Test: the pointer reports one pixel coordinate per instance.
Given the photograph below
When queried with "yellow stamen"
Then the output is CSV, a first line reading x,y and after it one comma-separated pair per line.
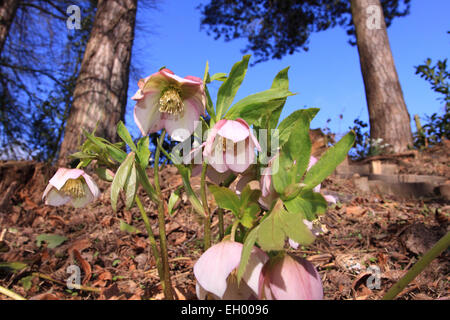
x,y
171,102
74,188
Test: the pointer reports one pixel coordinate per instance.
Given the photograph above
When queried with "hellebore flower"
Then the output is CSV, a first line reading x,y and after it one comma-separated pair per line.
x,y
165,100
215,272
70,185
289,278
231,146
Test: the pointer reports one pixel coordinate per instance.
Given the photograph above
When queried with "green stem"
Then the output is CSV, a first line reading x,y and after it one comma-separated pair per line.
x,y
418,267
165,280
207,220
196,204
233,230
11,294
151,237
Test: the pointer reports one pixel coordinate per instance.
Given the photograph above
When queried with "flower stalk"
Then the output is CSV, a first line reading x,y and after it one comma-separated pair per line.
x,y
418,267
207,221
165,280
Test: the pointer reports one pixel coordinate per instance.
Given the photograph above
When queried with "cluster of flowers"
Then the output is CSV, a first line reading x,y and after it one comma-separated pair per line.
x,y
167,101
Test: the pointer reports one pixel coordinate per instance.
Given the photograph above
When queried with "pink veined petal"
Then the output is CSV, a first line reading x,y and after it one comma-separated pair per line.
x,y
212,134
196,102
201,292
147,115
252,136
251,276
216,158
181,128
62,175
56,198
294,279
215,265
92,186
234,131
193,88
243,158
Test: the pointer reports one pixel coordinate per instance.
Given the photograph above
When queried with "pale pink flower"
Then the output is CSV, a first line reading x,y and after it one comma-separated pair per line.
x,y
72,186
216,272
165,100
289,278
231,146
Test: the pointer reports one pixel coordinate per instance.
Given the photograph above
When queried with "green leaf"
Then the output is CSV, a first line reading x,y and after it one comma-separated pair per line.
x,y
280,224
294,156
219,76
105,174
225,198
248,215
131,187
26,282
123,133
143,151
229,88
309,203
289,123
174,197
281,81
145,182
329,161
13,266
246,251
121,178
128,228
256,107
53,240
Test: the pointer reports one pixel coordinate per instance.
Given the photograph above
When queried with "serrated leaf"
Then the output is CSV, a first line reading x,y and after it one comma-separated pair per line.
x,y
125,227
279,225
123,133
219,76
121,178
248,215
294,156
53,240
329,161
229,88
225,198
246,251
285,127
256,107
308,203
143,151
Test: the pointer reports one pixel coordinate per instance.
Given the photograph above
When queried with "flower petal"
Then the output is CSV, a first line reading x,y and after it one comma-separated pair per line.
x,y
294,279
147,115
56,198
92,186
62,175
234,130
81,202
216,264
181,128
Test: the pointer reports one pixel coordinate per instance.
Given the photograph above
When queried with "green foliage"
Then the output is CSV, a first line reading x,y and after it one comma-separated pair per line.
x,y
53,240
436,126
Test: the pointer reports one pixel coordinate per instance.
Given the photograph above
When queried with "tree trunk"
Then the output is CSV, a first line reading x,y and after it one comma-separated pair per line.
x,y
8,10
100,93
389,118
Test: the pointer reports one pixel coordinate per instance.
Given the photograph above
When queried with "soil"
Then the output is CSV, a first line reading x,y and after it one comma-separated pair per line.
x,y
365,235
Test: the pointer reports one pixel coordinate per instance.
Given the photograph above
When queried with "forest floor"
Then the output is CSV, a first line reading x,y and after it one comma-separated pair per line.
x,y
364,230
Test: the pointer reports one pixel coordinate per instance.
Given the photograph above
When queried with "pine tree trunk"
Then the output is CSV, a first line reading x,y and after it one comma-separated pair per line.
x,y
8,10
389,118
100,94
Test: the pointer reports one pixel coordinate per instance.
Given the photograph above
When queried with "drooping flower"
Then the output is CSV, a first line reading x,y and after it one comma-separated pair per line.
x,y
72,186
165,100
285,277
231,146
216,271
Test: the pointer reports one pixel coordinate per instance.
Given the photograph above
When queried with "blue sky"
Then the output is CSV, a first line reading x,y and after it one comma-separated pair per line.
x,y
328,76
